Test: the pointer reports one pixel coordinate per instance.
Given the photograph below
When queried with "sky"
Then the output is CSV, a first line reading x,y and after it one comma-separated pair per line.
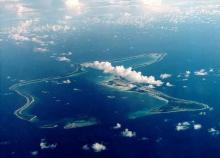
x,y
36,22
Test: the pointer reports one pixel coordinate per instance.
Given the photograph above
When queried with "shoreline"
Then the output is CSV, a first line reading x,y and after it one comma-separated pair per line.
x,y
165,98
172,103
29,99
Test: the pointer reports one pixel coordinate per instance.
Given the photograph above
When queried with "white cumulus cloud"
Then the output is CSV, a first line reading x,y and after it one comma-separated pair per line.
x,y
128,133
201,72
117,126
182,126
213,131
187,73
45,145
126,73
19,33
168,84
62,58
98,147
67,81
165,75
197,126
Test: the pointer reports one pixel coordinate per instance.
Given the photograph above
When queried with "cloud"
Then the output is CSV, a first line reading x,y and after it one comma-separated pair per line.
x,y
197,126
67,81
186,125
19,37
23,27
64,59
67,53
213,131
202,113
147,13
38,41
126,73
165,76
76,89
201,72
128,133
182,126
18,33
150,86
85,147
156,6
20,9
98,147
41,50
152,2
16,7
74,5
211,70
117,126
68,17
111,97
187,73
168,84
53,28
34,153
44,145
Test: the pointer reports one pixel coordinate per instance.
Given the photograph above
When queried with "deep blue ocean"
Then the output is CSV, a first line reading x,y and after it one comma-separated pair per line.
x,y
193,47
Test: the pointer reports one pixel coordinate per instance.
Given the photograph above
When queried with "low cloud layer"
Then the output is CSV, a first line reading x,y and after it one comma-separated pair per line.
x,y
126,73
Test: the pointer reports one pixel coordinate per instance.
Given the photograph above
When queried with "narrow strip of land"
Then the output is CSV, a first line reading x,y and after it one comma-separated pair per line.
x,y
29,99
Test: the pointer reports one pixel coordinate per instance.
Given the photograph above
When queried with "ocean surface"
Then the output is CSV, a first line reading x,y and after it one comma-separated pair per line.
x,y
190,45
